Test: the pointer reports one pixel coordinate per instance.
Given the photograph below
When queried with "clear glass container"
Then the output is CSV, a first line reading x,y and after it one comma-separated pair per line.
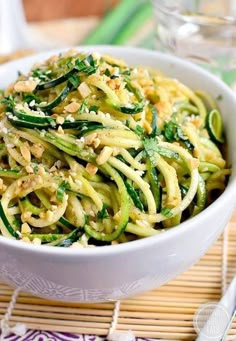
x,y
203,31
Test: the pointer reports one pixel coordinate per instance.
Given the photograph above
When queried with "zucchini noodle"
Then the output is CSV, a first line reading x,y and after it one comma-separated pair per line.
x,y
94,152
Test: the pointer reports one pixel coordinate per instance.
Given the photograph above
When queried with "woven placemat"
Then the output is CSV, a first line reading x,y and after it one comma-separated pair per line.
x,y
165,313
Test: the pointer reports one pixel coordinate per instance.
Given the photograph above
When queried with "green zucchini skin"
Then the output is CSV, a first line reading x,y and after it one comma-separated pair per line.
x,y
201,197
125,206
56,239
54,82
24,120
80,67
49,106
10,173
134,196
214,125
154,184
7,224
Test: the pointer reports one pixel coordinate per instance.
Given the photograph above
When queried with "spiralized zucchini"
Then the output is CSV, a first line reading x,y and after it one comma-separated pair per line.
x,y
94,152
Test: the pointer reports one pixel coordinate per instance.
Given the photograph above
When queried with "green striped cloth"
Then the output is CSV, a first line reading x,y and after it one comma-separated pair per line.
x,y
130,22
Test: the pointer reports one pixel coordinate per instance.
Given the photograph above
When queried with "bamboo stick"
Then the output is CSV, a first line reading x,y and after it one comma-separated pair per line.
x,y
81,319
165,313
158,309
157,315
196,284
172,294
35,325
177,299
48,322
159,303
170,329
154,322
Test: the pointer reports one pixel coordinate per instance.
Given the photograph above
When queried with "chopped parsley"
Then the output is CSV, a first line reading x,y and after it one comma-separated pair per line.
x,y
9,102
107,73
173,132
166,212
69,63
87,65
152,147
29,97
40,74
83,106
139,130
103,214
61,190
74,80
93,108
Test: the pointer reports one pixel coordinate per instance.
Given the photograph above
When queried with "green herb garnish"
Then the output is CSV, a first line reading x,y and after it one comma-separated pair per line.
x,y
166,212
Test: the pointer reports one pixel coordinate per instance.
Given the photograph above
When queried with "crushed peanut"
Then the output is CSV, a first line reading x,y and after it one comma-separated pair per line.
x,y
84,90
49,215
76,245
37,150
116,216
91,169
29,169
37,241
26,240
60,120
25,216
25,152
25,228
104,155
25,86
92,139
72,107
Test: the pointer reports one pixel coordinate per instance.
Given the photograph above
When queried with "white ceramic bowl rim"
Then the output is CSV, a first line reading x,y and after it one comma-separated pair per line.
x,y
148,241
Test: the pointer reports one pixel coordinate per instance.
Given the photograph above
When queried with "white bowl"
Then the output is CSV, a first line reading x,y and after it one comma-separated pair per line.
x,y
114,272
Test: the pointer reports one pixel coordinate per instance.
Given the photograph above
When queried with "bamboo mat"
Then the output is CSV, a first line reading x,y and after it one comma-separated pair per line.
x,y
165,313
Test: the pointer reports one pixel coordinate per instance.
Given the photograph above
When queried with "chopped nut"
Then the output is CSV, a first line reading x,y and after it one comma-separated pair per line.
x,y
25,228
41,171
49,215
37,241
116,151
26,240
104,155
29,169
60,130
60,120
91,169
37,150
25,152
72,107
114,84
194,163
116,217
77,245
84,90
90,138
25,86
25,216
